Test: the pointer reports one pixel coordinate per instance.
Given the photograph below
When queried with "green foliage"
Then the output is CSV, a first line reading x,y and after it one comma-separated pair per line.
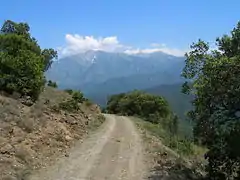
x,y
215,86
70,105
152,108
78,96
52,84
180,144
140,104
48,55
22,62
179,102
69,91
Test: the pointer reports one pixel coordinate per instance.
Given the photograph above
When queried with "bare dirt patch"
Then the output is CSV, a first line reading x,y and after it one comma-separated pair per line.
x,y
34,137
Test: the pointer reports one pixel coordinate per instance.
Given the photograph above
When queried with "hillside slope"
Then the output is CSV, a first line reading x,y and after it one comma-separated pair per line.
x,y
124,84
180,103
33,137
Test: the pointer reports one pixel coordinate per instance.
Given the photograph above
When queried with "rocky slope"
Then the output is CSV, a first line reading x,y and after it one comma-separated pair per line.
x,y
33,137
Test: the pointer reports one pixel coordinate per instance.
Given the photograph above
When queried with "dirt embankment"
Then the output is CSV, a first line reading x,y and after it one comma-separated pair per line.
x,y
34,137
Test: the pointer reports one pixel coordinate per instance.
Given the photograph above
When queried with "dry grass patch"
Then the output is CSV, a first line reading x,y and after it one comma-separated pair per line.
x,y
166,163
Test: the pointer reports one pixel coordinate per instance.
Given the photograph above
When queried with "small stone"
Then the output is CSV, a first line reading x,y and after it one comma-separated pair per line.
x,y
68,138
9,177
8,148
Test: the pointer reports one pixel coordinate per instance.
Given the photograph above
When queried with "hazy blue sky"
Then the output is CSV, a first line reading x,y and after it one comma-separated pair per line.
x,y
135,23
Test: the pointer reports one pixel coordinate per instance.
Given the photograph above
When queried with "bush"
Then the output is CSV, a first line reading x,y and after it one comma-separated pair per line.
x,y
70,105
69,91
78,96
185,146
52,84
138,103
182,145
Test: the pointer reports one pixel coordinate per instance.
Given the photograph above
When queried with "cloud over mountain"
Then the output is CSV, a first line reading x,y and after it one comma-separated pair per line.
x,y
77,44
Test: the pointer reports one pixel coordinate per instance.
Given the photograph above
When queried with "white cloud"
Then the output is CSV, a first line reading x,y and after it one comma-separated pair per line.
x,y
76,44
175,52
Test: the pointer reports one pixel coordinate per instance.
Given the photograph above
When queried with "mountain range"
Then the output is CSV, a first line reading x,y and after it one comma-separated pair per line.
x,y
99,74
92,68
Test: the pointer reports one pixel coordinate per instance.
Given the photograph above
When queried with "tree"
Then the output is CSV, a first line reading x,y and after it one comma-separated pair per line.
x,y
49,55
215,83
22,62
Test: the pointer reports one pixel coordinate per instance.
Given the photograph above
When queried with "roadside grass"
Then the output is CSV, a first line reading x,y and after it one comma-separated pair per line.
x,y
170,157
181,145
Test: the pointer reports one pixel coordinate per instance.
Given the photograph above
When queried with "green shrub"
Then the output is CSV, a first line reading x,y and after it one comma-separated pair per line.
x,y
185,146
69,91
70,105
52,84
138,103
78,96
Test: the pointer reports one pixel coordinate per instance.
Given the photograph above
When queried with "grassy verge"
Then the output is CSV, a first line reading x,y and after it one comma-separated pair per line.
x,y
170,157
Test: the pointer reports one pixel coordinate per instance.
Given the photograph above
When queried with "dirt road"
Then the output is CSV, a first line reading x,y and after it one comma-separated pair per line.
x,y
113,152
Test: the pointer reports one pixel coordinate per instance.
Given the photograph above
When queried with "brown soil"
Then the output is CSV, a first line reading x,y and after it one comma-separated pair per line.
x,y
34,137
